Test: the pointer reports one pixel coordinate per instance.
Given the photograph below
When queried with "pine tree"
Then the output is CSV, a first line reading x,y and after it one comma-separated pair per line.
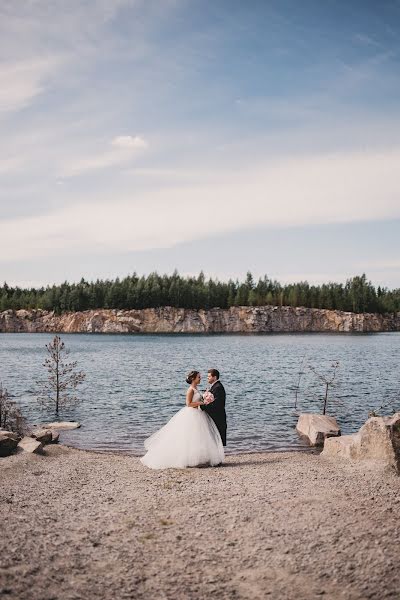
x,y
59,389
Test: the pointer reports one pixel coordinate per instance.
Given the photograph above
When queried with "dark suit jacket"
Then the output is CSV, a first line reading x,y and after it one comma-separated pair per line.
x,y
216,410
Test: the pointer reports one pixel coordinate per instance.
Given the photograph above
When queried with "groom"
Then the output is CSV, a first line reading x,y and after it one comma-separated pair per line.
x,y
216,410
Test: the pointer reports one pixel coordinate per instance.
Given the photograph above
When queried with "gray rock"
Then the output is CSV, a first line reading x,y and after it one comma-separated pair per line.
x,y
316,428
42,435
342,447
62,425
54,437
29,444
8,442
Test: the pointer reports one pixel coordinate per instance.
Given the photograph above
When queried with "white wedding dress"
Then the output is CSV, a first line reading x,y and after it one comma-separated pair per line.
x,y
189,439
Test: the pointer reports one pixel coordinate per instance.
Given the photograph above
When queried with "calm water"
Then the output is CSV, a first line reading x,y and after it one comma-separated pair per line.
x,y
135,383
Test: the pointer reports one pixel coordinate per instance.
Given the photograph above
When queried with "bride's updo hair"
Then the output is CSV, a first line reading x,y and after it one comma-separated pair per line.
x,y
192,376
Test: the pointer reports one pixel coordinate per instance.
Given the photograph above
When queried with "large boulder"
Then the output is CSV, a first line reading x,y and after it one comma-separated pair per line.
x,y
378,440
316,428
344,446
62,425
29,444
8,442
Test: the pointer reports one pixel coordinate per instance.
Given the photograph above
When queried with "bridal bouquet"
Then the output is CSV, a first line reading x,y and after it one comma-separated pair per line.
x,y
208,397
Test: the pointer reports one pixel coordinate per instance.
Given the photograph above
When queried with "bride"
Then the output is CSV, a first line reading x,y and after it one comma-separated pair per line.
x,y
189,439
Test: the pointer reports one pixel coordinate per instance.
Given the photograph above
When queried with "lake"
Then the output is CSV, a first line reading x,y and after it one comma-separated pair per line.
x,y
134,384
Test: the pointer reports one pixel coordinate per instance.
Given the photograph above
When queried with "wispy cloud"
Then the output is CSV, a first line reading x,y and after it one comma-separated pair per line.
x,y
285,193
9,165
366,40
23,80
122,150
33,55
129,142
378,265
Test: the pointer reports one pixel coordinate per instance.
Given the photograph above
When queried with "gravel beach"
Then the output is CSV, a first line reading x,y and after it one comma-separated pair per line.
x,y
77,524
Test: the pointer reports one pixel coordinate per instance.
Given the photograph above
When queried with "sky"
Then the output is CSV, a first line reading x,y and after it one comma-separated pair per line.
x,y
223,136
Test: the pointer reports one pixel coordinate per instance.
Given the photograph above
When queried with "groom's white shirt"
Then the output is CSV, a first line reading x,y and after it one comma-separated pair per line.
x,y
212,385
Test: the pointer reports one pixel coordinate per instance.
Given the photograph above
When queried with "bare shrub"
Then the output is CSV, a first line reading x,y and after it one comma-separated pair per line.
x,y
11,417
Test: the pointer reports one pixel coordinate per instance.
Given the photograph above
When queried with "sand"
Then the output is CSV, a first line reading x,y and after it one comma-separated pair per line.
x,y
85,525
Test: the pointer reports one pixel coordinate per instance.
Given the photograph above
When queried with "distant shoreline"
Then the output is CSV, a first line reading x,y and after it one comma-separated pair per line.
x,y
199,334
234,320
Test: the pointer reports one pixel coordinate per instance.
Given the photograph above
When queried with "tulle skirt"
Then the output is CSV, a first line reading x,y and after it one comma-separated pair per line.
x,y
189,439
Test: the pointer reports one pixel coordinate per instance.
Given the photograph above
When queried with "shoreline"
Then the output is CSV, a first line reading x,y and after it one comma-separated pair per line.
x,y
201,334
315,450
290,525
305,449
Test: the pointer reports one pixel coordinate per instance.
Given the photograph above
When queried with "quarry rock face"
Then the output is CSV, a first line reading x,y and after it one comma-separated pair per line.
x,y
237,319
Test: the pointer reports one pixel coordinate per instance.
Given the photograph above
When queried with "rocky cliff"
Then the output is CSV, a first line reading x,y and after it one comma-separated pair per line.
x,y
262,319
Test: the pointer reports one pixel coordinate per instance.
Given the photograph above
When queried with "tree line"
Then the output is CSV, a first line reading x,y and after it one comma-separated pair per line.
x,y
152,291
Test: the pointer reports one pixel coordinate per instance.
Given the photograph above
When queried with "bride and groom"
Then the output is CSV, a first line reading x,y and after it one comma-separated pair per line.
x,y
195,435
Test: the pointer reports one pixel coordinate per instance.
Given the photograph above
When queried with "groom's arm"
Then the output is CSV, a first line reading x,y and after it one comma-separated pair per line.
x,y
215,406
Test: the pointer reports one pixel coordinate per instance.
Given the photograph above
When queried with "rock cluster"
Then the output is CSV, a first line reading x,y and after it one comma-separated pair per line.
x,y
237,319
35,441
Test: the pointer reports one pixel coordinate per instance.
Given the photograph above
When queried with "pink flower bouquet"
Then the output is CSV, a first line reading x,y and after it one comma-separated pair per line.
x,y
208,397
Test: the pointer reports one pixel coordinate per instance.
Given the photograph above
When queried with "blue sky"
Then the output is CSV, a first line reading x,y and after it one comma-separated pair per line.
x,y
223,136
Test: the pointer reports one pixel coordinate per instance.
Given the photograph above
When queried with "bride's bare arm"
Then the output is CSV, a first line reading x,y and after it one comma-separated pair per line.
x,y
189,398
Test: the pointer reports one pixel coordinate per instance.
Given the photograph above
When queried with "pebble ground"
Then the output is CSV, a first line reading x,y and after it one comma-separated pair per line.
x,y
85,525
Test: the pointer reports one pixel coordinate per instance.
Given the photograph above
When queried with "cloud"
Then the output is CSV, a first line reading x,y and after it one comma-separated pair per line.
x,y
127,141
21,81
33,55
366,40
312,190
123,149
382,264
312,278
9,165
